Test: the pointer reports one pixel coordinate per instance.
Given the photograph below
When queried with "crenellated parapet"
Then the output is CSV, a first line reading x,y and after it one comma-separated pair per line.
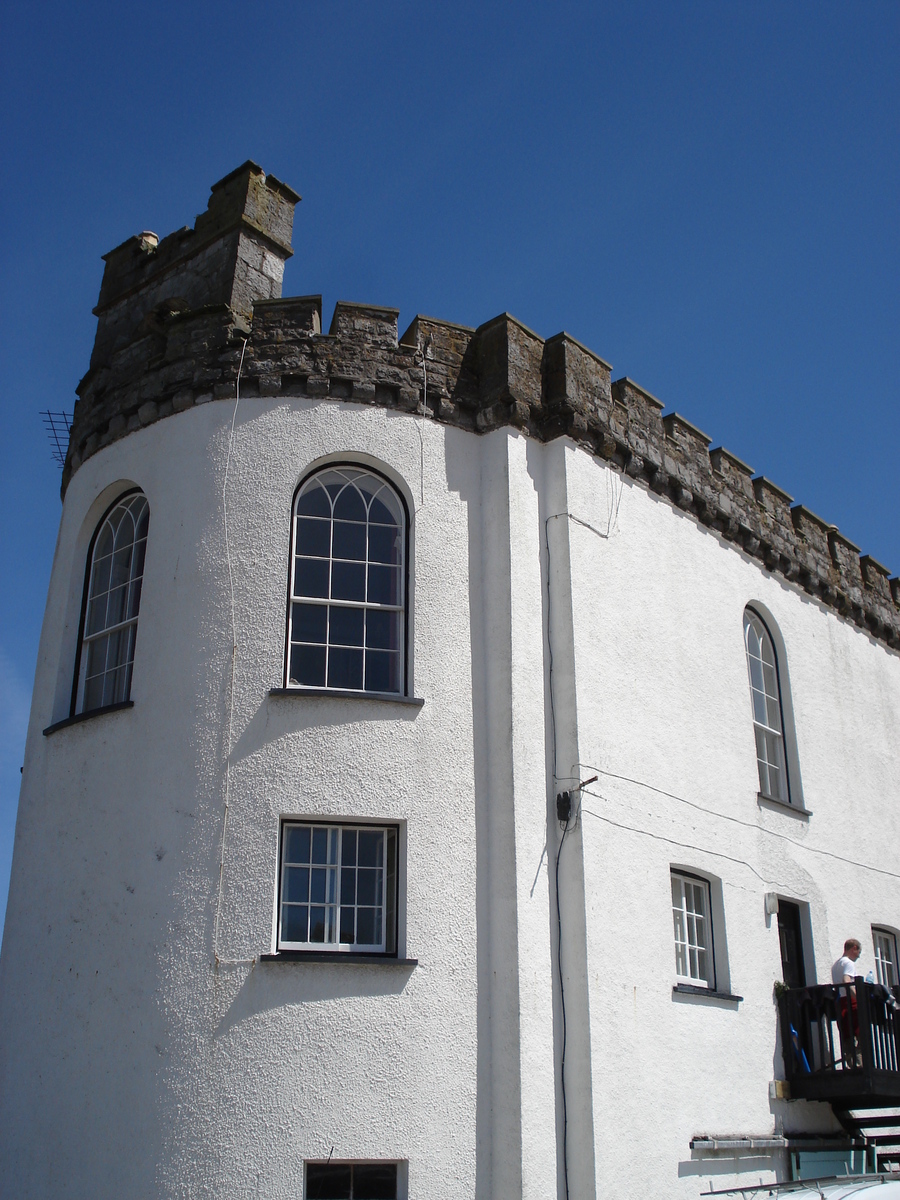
x,y
182,320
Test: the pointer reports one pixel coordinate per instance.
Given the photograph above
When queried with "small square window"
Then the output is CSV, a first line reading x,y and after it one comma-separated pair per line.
x,y
693,930
338,888
351,1181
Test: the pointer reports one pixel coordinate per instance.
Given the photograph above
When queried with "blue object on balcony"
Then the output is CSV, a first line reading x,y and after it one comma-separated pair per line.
x,y
799,1052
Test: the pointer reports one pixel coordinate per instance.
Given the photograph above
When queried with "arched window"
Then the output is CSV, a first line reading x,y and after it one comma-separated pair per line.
x,y
112,602
347,610
768,720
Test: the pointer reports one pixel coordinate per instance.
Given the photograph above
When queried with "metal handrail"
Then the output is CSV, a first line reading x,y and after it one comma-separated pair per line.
x,y
832,1029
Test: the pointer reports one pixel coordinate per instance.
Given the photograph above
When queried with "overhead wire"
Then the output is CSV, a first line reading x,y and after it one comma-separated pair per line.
x,y
738,821
658,837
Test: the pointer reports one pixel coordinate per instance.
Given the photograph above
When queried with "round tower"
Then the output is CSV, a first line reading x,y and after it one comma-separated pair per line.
x,y
210,974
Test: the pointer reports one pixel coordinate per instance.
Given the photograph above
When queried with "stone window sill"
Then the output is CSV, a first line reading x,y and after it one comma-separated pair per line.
x,y
690,989
337,959
87,716
338,694
782,806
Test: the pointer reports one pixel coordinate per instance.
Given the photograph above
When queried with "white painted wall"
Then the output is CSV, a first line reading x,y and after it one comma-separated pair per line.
x,y
546,650
664,707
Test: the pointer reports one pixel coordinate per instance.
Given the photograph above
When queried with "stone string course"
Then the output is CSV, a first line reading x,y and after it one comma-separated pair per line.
x,y
159,350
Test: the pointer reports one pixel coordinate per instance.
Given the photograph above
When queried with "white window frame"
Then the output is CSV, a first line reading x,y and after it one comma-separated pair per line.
x,y
886,967
389,495
118,634
335,903
767,709
693,929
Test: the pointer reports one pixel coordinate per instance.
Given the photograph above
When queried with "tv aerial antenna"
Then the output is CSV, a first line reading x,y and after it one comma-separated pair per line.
x,y
57,425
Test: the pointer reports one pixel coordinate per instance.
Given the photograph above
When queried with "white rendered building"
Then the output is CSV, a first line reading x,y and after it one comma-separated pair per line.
x,y
436,756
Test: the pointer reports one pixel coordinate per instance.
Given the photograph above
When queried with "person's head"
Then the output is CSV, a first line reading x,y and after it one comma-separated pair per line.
x,y
853,948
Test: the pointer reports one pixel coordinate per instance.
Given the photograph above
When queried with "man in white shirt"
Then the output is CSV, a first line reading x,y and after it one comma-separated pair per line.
x,y
843,973
844,970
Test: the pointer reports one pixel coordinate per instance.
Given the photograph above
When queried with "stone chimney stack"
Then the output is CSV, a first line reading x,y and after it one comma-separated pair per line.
x,y
234,256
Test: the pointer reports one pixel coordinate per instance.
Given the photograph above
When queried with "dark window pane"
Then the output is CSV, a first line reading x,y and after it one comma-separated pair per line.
x,y
348,847
366,881
314,503
317,924
309,623
313,537
380,514
370,847
346,628
125,681
349,540
384,544
104,546
115,605
96,618
384,585
383,630
308,665
348,581
348,886
93,693
294,918
116,686
116,649
349,505
367,931
375,1181
320,846
328,1181
347,936
310,577
297,849
140,553
100,575
121,566
296,884
318,884
382,671
134,599
96,659
345,668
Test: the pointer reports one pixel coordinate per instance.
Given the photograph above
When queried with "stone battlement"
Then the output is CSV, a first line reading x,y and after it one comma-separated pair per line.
x,y
176,317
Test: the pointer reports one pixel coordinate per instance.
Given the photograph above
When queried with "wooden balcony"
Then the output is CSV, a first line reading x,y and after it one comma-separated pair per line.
x,y
842,1044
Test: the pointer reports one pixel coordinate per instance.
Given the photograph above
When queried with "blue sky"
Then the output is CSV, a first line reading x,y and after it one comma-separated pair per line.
x,y
705,193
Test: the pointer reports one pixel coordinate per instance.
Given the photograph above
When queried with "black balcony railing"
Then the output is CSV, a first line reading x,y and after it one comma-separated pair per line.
x,y
842,1044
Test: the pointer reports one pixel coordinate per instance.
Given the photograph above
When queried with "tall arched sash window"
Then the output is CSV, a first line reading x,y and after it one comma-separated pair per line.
x,y
112,603
768,722
347,611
